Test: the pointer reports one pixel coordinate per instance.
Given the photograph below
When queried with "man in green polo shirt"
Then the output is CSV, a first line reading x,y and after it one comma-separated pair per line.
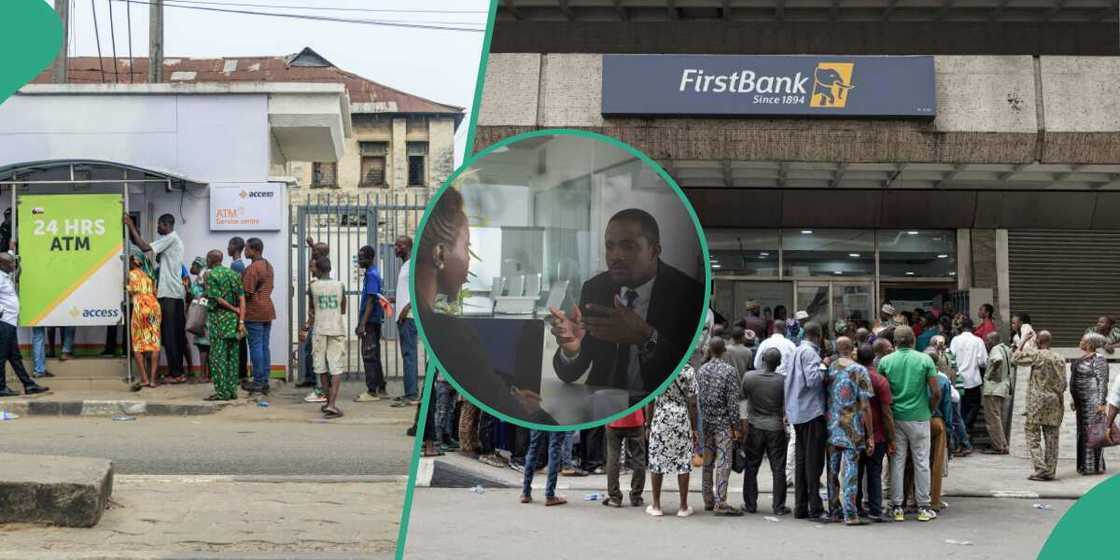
x,y
914,393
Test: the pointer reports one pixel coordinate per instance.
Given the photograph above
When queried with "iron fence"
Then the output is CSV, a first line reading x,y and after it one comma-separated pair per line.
x,y
347,221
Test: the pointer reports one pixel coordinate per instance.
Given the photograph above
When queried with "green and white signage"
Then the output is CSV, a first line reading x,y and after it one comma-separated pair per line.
x,y
70,246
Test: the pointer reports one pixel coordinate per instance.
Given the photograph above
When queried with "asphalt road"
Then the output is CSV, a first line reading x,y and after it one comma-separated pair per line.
x,y
217,445
495,522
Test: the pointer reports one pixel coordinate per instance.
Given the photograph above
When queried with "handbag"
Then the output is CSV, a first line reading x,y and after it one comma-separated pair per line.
x,y
196,317
738,457
1098,433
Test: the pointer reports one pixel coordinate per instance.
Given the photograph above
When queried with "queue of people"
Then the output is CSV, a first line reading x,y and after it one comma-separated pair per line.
x,y
222,305
862,414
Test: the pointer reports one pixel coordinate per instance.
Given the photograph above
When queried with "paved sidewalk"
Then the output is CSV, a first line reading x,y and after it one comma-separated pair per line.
x,y
285,403
166,516
973,476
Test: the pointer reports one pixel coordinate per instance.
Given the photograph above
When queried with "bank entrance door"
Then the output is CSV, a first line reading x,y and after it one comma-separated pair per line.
x,y
826,301
836,303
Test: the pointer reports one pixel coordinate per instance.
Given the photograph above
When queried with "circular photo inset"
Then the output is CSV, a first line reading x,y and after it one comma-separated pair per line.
x,y
560,280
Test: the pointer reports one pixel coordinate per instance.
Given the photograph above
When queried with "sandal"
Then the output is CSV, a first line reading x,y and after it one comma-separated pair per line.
x,y
215,397
176,380
331,414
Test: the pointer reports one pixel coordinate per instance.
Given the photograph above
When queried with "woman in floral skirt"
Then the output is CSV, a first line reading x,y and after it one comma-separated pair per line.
x,y
145,321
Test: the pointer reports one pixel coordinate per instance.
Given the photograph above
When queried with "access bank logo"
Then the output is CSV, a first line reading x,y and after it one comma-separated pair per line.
x,y
256,194
95,313
831,83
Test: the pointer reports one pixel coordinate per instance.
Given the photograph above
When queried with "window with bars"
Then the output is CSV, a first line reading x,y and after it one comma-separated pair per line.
x,y
417,164
324,174
373,164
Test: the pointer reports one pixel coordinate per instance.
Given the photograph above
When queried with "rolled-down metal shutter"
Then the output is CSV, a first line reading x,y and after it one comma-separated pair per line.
x,y
1064,280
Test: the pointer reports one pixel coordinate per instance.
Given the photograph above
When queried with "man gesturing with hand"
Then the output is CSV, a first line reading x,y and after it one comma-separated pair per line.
x,y
635,321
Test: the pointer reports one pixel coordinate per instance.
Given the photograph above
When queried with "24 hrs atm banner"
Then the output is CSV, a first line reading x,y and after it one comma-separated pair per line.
x,y
71,268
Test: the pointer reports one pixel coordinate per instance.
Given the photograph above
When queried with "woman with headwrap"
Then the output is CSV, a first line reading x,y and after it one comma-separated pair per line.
x,y
1088,384
442,263
145,319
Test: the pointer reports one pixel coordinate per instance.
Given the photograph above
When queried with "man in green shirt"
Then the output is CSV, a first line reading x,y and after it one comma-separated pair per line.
x,y
997,387
914,393
225,323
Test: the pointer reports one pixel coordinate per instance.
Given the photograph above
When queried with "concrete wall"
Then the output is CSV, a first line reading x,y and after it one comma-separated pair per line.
x,y
205,138
396,131
988,107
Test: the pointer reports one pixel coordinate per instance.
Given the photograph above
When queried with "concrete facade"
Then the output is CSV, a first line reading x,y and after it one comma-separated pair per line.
x,y
990,109
396,131
201,132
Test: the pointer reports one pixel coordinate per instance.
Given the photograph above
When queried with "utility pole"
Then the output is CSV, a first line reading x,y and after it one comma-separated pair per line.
x,y
62,60
155,42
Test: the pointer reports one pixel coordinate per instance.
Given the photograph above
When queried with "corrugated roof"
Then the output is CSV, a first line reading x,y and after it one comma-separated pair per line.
x,y
305,66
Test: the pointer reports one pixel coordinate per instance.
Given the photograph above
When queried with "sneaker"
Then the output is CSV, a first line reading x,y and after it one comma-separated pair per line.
x,y
517,467
315,396
687,512
897,514
658,513
366,396
926,514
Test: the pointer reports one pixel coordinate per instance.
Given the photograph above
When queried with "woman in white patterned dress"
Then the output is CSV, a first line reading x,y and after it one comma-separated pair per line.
x,y
673,433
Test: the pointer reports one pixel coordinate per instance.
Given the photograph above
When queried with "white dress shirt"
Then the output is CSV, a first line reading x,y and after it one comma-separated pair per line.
x,y
783,344
971,355
9,300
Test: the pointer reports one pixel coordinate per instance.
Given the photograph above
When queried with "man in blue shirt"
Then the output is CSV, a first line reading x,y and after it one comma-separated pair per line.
x,y
369,327
804,394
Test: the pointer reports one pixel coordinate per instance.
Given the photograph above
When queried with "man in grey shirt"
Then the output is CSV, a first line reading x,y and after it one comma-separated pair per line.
x,y
738,354
764,392
168,249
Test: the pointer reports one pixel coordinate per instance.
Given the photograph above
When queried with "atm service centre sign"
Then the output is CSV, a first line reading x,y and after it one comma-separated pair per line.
x,y
246,206
731,85
71,272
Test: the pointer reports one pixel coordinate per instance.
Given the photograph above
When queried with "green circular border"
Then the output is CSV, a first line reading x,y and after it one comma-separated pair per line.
x,y
617,144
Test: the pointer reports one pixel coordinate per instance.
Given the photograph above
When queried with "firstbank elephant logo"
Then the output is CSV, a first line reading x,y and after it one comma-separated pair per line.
x,y
831,83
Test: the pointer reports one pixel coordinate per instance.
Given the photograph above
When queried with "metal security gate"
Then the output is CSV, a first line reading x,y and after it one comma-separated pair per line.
x,y
1064,280
346,222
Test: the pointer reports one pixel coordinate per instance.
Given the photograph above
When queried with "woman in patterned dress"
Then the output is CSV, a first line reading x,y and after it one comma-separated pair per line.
x,y
1089,386
145,321
672,438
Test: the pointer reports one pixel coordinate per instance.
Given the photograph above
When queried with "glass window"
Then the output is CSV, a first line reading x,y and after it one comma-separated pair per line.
x,y
851,303
812,299
834,253
917,253
744,252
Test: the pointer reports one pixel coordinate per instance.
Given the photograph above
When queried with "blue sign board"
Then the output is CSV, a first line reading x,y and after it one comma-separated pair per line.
x,y
730,85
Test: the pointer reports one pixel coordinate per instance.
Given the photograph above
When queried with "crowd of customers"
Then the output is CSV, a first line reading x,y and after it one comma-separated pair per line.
x,y
222,304
874,414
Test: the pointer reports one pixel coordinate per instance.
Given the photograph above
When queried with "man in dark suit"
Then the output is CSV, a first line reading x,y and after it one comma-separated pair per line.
x,y
635,321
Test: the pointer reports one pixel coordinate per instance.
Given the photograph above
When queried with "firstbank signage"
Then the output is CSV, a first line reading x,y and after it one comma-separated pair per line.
x,y
729,85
